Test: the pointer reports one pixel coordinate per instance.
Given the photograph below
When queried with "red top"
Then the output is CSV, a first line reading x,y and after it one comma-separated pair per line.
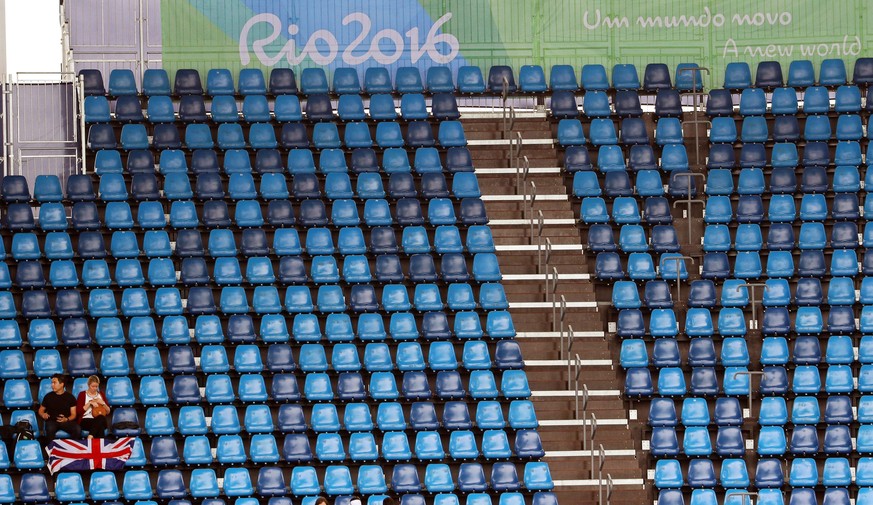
x,y
80,404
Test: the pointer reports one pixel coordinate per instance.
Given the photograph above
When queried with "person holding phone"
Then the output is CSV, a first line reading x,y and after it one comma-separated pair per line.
x,y
58,410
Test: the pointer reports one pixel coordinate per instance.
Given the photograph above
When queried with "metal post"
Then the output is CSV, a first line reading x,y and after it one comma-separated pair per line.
x,y
515,143
678,259
694,71
576,391
610,487
533,197
593,433
750,374
752,287
5,93
80,86
508,120
602,456
570,341
690,201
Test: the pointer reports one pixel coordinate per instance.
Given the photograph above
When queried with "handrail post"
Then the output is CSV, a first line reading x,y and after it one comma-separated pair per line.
x,y
752,287
515,143
694,71
677,259
602,456
593,433
557,322
508,120
690,200
571,338
80,88
610,487
533,197
577,369
750,374
544,252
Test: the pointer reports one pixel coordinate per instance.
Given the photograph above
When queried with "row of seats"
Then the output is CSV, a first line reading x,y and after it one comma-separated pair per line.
x,y
801,73
311,212
776,321
251,388
768,473
602,132
806,379
784,155
439,79
774,351
329,447
704,381
786,129
771,441
701,352
363,160
323,418
257,109
303,481
263,136
112,187
773,411
719,210
784,101
253,242
226,270
624,104
147,360
291,418
734,293
274,186
844,179
283,81
305,327
798,496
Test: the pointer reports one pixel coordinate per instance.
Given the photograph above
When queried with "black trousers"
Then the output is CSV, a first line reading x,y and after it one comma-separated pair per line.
x,y
95,426
52,427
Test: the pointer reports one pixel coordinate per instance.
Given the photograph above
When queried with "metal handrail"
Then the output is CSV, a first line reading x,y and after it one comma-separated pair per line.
x,y
565,351
695,94
602,457
752,287
677,259
508,121
80,85
533,198
610,487
563,305
750,374
585,396
547,253
515,144
593,434
690,200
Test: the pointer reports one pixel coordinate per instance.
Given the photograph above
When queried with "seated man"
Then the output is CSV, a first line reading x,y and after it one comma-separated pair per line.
x,y
58,410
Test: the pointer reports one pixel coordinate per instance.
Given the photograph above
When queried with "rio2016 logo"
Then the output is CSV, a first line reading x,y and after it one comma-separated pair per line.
x,y
323,48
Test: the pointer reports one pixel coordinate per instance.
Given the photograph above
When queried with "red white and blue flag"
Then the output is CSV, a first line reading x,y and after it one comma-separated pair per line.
x,y
90,454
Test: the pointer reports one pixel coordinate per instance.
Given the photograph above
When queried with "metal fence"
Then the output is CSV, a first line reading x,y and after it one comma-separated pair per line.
x,y
43,134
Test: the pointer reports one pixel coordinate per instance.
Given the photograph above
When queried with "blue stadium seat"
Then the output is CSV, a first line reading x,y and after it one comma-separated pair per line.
x,y
594,78
737,76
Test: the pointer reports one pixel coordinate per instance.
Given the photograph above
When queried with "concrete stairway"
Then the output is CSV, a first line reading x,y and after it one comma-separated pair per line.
x,y
538,321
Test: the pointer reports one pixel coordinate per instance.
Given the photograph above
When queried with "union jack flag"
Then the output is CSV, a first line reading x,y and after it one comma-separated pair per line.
x,y
90,454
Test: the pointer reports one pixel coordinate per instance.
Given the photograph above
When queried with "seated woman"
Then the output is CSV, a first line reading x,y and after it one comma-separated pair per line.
x,y
94,408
